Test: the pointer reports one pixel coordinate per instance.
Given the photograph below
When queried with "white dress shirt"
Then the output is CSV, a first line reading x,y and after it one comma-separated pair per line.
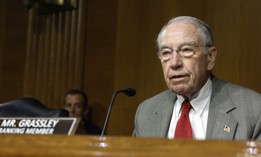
x,y
198,114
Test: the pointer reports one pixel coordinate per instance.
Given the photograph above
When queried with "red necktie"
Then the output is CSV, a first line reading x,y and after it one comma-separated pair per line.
x,y
183,128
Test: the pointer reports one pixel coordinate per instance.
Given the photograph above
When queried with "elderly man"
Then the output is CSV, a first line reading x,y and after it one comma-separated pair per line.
x,y
197,105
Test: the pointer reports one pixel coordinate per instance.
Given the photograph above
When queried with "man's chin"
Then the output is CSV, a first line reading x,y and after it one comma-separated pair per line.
x,y
180,91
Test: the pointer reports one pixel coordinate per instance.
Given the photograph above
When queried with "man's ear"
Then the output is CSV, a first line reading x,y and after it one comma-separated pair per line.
x,y
211,58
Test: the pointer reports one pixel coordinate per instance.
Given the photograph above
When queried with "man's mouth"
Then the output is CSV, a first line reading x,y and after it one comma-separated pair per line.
x,y
178,77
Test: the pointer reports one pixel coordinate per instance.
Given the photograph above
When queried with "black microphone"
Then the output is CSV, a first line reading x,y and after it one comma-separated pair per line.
x,y
128,92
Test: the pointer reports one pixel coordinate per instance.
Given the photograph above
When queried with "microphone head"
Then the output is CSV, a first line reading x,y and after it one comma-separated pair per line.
x,y
129,91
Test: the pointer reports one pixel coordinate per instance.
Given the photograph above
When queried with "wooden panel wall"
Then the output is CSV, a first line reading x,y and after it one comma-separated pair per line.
x,y
55,54
100,62
236,26
13,28
110,45
2,33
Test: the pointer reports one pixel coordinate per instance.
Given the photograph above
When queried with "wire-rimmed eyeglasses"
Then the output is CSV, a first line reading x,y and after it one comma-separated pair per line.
x,y
186,51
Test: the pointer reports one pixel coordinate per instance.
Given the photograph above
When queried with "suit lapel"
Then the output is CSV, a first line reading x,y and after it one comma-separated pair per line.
x,y
162,116
221,125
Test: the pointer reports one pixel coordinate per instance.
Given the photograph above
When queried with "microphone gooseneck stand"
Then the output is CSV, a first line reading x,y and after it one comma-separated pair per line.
x,y
128,92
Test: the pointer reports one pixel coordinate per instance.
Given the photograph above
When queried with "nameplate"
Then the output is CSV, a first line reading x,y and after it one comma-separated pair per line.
x,y
40,126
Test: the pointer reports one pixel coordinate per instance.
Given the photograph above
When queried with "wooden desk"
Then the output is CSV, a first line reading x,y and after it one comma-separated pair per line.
x,y
61,146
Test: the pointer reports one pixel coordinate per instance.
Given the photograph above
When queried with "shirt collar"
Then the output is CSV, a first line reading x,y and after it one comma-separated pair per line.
x,y
199,100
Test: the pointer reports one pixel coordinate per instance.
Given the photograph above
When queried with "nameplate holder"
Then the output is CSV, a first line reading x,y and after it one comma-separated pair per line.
x,y
38,125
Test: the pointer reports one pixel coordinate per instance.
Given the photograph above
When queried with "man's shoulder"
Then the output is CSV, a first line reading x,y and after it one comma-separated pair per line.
x,y
91,128
166,95
160,100
231,87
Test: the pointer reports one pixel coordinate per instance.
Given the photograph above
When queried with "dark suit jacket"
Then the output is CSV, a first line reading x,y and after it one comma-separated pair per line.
x,y
234,113
91,128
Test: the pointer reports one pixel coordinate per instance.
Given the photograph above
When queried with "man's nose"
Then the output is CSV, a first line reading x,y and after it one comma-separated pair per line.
x,y
72,109
175,60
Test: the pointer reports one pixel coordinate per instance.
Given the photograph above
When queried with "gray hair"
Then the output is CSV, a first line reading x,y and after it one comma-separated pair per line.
x,y
204,29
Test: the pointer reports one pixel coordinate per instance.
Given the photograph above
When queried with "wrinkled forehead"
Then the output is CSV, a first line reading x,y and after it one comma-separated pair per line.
x,y
74,98
180,32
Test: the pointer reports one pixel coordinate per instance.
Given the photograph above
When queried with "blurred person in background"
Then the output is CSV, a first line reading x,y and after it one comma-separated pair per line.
x,y
76,102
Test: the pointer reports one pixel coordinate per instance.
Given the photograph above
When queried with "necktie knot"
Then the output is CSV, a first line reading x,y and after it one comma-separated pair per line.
x,y
185,108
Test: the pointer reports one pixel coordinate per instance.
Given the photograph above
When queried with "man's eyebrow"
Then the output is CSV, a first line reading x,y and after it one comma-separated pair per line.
x,y
191,43
164,47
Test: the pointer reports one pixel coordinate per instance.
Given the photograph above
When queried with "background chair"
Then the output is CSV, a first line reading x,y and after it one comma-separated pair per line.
x,y
29,107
